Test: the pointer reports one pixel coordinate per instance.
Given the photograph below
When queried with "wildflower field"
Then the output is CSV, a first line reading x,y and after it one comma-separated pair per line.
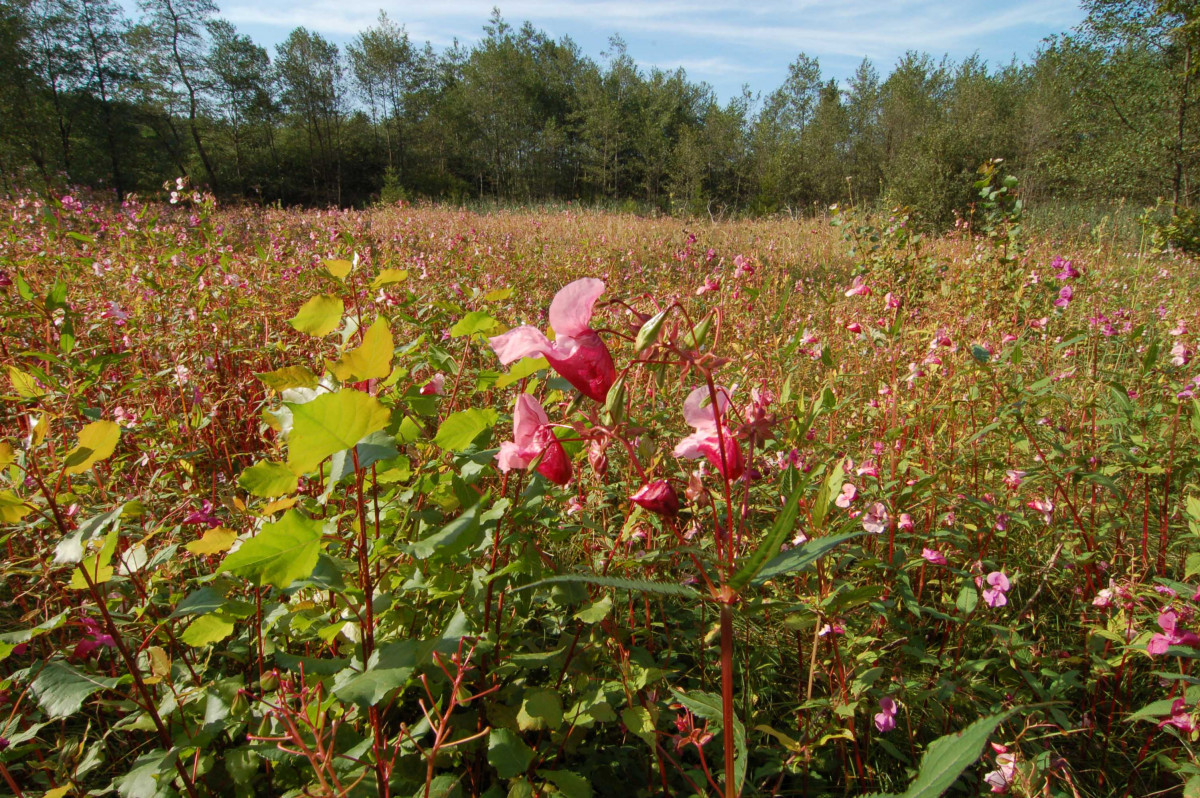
x,y
417,501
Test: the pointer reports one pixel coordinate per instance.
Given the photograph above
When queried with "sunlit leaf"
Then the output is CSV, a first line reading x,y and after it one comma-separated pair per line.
x,y
339,268
288,377
268,480
389,277
96,442
215,541
12,507
206,630
372,360
477,321
24,384
61,689
458,429
319,316
330,423
281,553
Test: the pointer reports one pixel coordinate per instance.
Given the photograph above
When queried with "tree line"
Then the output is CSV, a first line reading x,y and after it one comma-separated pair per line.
x,y
91,97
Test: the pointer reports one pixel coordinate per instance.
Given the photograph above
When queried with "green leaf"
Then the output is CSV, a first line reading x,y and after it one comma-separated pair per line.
x,y
967,601
96,442
319,316
522,369
572,785
456,536
61,689
339,268
12,507
330,423
948,756
477,321
24,384
207,629
542,710
459,429
280,554
390,667
781,530
640,585
288,377
389,277
827,495
268,480
802,556
150,776
595,612
508,753
372,360
640,723
708,706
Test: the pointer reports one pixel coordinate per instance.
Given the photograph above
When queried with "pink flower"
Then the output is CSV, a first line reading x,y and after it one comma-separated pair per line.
x,y
849,494
1103,599
1170,635
1012,478
905,523
705,442
1002,777
994,594
203,516
742,266
1181,717
892,301
577,354
533,438
854,327
1066,270
875,519
933,556
1043,506
436,386
859,287
1065,295
658,497
1181,355
95,639
885,719
710,284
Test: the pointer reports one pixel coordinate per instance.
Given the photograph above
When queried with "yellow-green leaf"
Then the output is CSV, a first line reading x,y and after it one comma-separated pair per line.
x,y
319,316
339,268
215,541
12,507
24,384
207,629
288,377
389,277
96,442
522,369
280,554
268,480
6,454
97,565
330,423
372,360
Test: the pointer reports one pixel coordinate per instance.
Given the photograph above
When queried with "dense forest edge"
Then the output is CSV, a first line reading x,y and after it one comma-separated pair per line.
x,y
1106,113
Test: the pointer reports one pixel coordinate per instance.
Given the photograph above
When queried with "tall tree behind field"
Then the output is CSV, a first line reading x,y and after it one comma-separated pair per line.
x,y
312,77
178,47
383,63
19,89
242,92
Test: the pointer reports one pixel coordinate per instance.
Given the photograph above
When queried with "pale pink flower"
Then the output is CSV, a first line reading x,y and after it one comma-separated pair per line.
x,y
710,284
885,719
933,556
577,353
994,594
905,523
1002,777
1012,478
1065,295
859,287
703,415
875,519
849,494
1043,506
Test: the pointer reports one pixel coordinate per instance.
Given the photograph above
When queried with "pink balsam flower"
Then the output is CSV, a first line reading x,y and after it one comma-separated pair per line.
x,y
885,719
658,497
533,437
577,353
705,442
997,586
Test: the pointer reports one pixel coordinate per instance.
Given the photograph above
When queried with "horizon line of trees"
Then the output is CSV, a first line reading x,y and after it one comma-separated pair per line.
x,y
90,97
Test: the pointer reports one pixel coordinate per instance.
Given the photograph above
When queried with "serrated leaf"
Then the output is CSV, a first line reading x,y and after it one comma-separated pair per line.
x,y
638,721
288,377
508,753
370,361
708,706
268,480
477,321
457,431
639,585
338,268
280,554
319,316
389,277
947,757
802,556
207,629
215,541
24,384
96,442
330,423
61,689
780,531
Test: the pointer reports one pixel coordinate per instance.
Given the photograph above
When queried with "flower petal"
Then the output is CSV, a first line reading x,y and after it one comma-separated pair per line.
x,y
698,409
571,310
528,416
520,342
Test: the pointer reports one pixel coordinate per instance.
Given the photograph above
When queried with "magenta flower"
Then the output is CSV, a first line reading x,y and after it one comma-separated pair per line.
x,y
658,497
1065,295
1066,270
1012,478
710,284
1181,717
436,386
905,523
203,516
533,438
1171,635
1043,506
994,594
704,442
885,719
933,556
577,353
859,287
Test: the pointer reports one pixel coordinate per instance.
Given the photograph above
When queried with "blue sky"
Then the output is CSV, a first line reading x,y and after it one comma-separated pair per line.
x,y
726,44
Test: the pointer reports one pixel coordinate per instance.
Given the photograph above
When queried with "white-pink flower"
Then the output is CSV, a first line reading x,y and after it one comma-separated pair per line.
x,y
997,586
849,494
875,519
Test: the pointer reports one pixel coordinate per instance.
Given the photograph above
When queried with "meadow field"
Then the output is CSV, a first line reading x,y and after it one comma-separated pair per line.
x,y
418,501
